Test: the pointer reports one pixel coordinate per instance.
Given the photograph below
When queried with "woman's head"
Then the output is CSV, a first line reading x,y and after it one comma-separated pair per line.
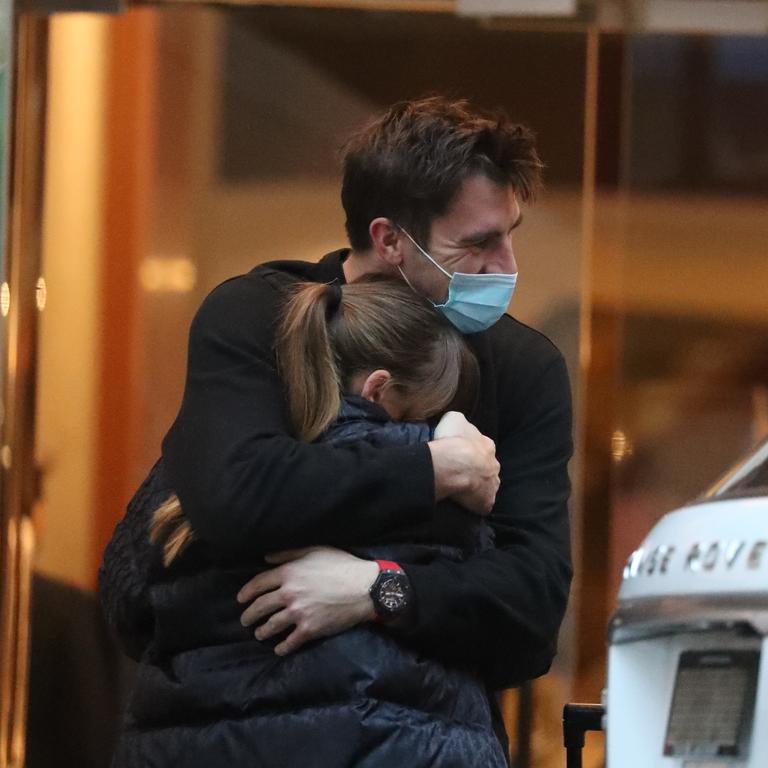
x,y
374,337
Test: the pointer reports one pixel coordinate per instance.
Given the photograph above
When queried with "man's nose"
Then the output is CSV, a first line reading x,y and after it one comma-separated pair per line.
x,y
507,264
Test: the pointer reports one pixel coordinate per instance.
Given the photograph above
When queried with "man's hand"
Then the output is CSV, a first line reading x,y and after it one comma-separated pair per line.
x,y
465,465
455,424
318,591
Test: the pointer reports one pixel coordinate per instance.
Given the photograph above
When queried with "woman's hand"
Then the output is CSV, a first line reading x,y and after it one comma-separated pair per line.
x,y
465,464
318,591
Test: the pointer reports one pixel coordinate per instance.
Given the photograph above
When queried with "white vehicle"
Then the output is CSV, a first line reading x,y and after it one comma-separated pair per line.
x,y
686,686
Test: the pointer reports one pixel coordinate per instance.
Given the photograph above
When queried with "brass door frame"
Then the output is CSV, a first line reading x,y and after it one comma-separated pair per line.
x,y
23,298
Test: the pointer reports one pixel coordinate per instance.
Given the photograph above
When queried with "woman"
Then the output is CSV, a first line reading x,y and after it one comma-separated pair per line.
x,y
368,361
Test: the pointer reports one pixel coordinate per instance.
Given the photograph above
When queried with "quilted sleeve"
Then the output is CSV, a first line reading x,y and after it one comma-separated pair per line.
x,y
126,570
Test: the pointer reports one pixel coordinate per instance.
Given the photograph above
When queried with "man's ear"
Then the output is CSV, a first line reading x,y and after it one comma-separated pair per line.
x,y
375,384
387,240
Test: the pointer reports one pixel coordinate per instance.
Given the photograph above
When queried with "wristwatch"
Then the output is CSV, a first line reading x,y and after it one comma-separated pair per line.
x,y
391,592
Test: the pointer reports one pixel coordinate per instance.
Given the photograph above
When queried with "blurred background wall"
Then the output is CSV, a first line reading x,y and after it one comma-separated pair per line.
x,y
185,145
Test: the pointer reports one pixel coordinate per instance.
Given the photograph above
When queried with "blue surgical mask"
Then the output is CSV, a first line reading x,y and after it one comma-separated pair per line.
x,y
475,301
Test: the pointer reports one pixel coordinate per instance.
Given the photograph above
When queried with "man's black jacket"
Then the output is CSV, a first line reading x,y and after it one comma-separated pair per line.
x,y
249,486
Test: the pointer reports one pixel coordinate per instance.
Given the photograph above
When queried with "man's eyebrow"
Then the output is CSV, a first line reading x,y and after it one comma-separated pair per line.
x,y
487,234
479,237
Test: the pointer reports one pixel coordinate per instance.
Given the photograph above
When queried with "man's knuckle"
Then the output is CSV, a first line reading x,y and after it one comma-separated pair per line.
x,y
265,630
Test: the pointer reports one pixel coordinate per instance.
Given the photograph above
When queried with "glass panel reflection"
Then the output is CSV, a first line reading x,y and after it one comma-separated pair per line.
x,y
683,240
237,116
748,478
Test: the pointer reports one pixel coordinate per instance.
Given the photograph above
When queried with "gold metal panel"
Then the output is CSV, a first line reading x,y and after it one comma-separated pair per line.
x,y
18,347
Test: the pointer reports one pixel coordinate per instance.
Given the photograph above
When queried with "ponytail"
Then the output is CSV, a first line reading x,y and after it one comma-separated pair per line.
x,y
308,367
329,334
169,524
306,358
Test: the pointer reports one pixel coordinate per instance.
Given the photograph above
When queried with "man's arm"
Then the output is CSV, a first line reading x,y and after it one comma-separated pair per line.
x,y
248,485
500,610
244,481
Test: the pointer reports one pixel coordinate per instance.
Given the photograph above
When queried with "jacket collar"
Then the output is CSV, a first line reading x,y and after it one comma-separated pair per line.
x,y
330,267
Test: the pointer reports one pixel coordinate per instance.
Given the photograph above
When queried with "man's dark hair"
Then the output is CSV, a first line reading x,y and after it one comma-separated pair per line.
x,y
409,164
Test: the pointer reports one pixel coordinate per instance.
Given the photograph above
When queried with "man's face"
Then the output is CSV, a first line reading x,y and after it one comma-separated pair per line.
x,y
473,236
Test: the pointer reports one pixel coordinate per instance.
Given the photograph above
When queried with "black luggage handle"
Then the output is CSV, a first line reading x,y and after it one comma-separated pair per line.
x,y
577,720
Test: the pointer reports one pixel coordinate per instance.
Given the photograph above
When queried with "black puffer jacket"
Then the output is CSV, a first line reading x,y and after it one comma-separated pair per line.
x,y
208,694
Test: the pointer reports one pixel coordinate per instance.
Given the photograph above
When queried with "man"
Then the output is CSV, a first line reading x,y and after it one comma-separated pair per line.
x,y
432,193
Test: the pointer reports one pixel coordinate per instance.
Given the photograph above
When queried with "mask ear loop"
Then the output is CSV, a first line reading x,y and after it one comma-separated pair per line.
x,y
418,293
410,284
423,252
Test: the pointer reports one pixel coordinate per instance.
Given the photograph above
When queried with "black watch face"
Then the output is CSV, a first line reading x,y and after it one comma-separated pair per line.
x,y
392,594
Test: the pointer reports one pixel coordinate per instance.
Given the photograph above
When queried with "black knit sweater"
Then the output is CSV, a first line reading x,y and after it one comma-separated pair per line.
x,y
248,486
